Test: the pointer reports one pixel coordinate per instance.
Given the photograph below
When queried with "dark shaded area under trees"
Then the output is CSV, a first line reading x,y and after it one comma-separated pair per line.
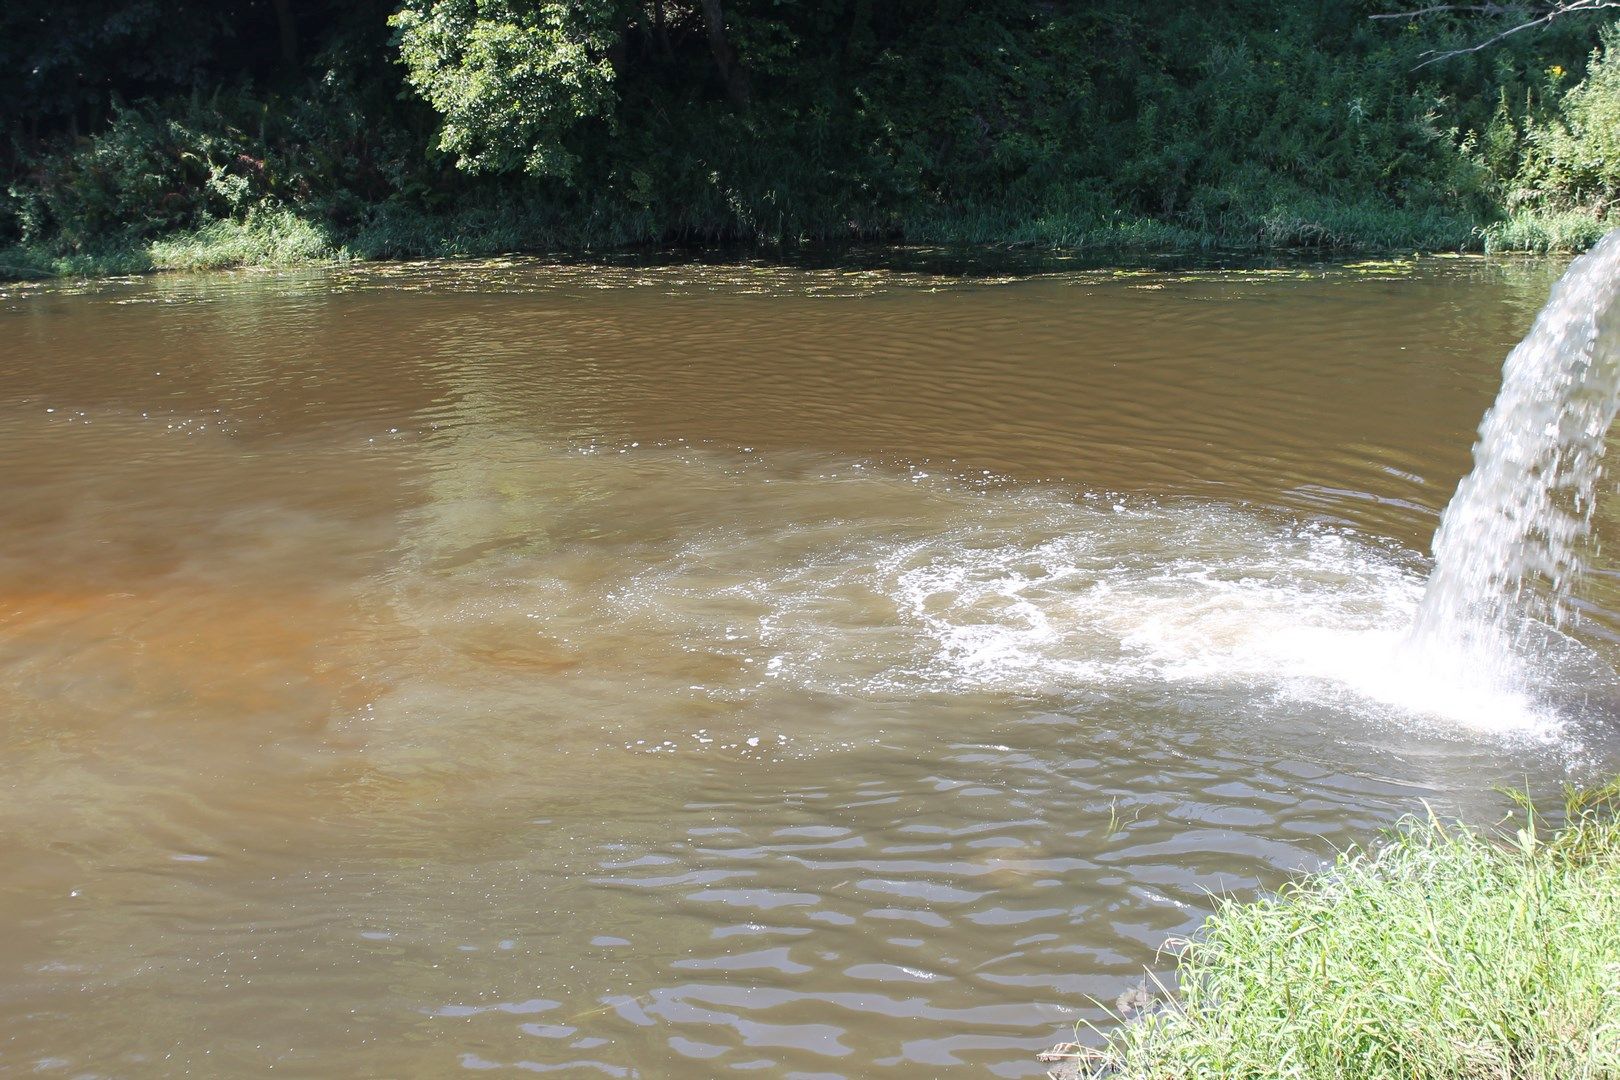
x,y
207,132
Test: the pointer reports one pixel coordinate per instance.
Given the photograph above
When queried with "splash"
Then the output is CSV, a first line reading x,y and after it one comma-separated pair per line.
x,y
1510,544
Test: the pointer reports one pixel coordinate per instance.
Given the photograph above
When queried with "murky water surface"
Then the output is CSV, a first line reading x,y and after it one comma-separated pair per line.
x,y
694,671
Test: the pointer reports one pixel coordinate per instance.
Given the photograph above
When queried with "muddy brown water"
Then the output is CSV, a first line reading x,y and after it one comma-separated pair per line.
x,y
688,671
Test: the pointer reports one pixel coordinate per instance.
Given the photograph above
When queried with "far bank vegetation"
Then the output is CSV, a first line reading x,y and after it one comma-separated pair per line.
x,y
230,132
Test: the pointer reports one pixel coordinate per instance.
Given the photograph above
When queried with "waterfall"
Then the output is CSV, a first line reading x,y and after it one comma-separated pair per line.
x,y
1511,541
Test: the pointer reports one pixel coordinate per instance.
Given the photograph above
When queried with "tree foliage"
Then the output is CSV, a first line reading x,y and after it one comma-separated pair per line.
x,y
514,80
1250,123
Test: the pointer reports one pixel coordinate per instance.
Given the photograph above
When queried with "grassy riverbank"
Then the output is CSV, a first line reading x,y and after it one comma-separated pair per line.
x,y
277,238
1447,953
238,133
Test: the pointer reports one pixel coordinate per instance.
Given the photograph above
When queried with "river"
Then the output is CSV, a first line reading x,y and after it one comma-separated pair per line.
x,y
687,670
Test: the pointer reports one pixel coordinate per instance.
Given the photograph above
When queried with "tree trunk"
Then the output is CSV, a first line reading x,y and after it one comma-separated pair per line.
x,y
661,31
287,29
731,72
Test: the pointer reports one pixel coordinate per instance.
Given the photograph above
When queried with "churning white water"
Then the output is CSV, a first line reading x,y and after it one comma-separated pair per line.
x,y
1308,616
1510,543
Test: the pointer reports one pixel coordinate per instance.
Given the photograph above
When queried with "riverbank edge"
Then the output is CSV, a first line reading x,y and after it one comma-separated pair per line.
x,y
1445,951
280,239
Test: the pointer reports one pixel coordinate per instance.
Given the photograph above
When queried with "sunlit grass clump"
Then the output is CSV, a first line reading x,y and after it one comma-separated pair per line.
x,y
1446,953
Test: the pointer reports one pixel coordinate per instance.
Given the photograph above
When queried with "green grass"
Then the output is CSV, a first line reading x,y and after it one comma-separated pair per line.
x,y
1317,225
1447,953
28,261
265,238
280,237
1547,232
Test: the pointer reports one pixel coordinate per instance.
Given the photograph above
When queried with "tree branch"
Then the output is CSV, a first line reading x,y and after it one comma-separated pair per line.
x,y
1436,9
1534,16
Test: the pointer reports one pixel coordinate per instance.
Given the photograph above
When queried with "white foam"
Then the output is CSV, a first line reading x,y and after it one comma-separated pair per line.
x,y
781,583
1195,595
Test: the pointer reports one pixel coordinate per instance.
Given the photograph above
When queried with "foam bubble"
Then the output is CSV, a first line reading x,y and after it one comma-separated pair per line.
x,y
1195,595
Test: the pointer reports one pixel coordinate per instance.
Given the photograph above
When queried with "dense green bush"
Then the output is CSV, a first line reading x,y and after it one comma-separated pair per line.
x,y
1572,155
153,169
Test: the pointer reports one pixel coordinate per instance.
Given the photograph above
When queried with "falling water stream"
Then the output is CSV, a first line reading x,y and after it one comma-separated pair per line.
x,y
681,670
1510,541
1509,550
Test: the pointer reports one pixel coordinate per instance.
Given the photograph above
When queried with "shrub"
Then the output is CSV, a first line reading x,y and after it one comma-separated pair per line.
x,y
154,168
1572,159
